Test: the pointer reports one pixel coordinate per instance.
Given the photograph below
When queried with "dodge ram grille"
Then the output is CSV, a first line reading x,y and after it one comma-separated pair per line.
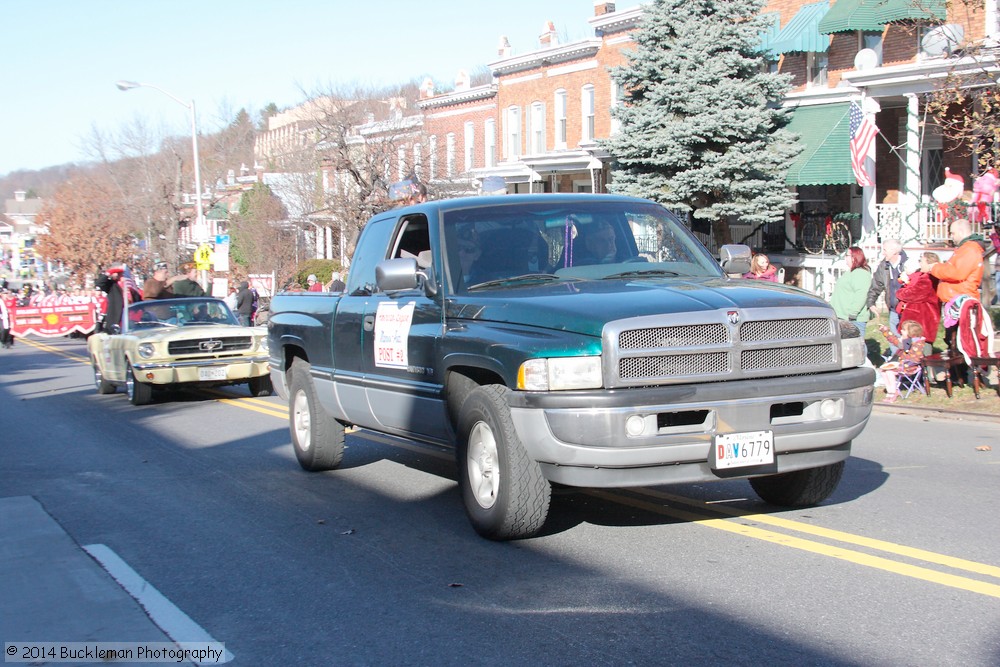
x,y
210,345
738,344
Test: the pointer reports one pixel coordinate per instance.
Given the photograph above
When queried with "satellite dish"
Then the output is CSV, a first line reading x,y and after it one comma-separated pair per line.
x,y
943,39
866,59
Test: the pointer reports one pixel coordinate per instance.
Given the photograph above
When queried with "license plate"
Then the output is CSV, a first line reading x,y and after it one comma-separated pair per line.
x,y
740,450
212,373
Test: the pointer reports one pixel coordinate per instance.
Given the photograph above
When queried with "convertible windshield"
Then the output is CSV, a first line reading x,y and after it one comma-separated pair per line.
x,y
179,312
489,246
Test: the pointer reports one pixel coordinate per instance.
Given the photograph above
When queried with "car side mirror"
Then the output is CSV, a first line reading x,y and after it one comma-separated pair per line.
x,y
402,273
735,258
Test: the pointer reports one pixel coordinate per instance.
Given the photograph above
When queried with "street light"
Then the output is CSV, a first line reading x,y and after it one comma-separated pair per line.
x,y
129,85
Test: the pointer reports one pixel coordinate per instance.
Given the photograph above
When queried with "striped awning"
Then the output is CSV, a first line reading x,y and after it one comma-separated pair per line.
x,y
802,32
825,132
872,15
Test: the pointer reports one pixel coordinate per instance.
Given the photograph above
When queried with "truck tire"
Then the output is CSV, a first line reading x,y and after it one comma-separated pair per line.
x,y
139,393
504,492
318,439
799,488
103,386
260,386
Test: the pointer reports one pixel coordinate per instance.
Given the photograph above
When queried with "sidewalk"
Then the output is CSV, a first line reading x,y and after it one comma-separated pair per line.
x,y
55,591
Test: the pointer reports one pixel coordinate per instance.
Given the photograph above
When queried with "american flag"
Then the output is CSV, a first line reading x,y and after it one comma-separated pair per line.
x,y
863,131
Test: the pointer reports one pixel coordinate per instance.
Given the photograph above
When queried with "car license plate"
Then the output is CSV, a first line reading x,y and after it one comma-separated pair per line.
x,y
212,373
740,450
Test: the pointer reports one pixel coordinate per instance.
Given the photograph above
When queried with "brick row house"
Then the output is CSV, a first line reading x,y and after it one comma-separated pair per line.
x,y
537,123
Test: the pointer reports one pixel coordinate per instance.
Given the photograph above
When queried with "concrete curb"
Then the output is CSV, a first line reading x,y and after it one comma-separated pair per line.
x,y
934,413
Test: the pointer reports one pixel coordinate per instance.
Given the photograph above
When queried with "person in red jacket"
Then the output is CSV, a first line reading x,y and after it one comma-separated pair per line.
x,y
762,269
918,299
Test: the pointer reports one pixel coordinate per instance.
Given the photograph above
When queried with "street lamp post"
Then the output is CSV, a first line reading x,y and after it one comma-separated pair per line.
x,y
199,215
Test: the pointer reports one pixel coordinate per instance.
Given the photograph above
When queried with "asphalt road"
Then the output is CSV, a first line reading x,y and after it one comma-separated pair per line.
x,y
376,564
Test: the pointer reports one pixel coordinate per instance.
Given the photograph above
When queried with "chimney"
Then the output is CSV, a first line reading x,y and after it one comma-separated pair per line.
x,y
462,80
548,37
19,195
231,177
504,50
427,89
602,7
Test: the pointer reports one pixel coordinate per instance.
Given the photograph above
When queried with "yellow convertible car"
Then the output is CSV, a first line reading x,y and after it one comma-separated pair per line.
x,y
170,342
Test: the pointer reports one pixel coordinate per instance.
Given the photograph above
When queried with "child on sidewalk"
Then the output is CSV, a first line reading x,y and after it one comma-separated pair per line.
x,y
906,360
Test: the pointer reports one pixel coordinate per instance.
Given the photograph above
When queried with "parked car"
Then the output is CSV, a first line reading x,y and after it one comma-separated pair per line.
x,y
171,342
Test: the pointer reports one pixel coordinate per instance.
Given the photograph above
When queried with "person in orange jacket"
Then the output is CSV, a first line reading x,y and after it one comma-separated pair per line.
x,y
963,271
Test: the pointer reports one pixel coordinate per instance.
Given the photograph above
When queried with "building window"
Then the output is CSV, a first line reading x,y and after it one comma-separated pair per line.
x,y
536,134
873,41
587,113
490,141
816,66
432,150
560,119
512,134
401,162
449,164
418,159
470,146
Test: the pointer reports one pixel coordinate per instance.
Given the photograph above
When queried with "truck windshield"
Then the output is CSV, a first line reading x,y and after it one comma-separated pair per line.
x,y
590,239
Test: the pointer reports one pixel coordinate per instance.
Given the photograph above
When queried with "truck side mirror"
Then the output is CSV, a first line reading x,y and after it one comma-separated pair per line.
x,y
735,258
402,273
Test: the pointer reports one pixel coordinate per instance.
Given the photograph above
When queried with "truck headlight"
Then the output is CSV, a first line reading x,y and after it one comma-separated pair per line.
x,y
145,350
560,373
853,350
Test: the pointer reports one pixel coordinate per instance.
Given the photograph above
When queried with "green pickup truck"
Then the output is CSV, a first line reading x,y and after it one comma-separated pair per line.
x,y
583,340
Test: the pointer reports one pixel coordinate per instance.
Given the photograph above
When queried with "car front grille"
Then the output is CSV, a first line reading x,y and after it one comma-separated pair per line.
x,y
738,344
214,345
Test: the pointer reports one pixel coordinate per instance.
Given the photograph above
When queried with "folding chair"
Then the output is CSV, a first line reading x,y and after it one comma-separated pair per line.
x,y
912,378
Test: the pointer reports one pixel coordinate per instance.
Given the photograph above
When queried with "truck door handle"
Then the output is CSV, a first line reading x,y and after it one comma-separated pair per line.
x,y
369,322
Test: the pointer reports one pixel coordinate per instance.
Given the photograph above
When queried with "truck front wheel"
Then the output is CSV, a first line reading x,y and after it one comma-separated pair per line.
x,y
801,487
504,492
318,439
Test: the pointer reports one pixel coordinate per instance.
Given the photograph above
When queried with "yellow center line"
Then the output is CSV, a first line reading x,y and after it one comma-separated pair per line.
x,y
54,350
877,562
840,536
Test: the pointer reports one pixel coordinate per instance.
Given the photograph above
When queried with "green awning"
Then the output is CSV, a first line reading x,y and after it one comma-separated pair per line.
x,y
802,33
907,10
848,15
773,21
872,15
825,132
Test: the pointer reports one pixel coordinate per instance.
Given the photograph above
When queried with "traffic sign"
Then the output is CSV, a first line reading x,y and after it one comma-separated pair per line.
x,y
203,257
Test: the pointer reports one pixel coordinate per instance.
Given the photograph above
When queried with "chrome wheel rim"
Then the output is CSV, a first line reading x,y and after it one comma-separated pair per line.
x,y
130,383
301,420
484,469
98,376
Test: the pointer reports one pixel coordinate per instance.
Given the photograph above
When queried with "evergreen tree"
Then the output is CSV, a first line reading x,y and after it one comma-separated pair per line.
x,y
700,122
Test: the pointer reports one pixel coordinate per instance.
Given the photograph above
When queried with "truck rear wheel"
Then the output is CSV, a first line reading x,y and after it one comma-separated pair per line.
x,y
799,488
504,492
318,439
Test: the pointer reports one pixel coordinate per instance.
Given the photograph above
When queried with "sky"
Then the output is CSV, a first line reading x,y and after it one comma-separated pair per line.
x,y
63,57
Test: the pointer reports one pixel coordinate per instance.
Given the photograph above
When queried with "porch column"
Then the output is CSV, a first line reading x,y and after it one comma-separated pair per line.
x,y
912,186
869,212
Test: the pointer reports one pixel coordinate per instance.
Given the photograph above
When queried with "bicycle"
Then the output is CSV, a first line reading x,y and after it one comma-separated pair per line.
x,y
818,236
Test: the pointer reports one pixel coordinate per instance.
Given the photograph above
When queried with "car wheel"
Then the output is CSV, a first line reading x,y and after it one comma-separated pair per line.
x,y
799,488
103,386
139,393
503,489
261,386
318,439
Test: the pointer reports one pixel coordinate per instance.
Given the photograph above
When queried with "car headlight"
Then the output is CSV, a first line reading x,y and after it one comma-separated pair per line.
x,y
262,343
558,373
145,350
853,350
